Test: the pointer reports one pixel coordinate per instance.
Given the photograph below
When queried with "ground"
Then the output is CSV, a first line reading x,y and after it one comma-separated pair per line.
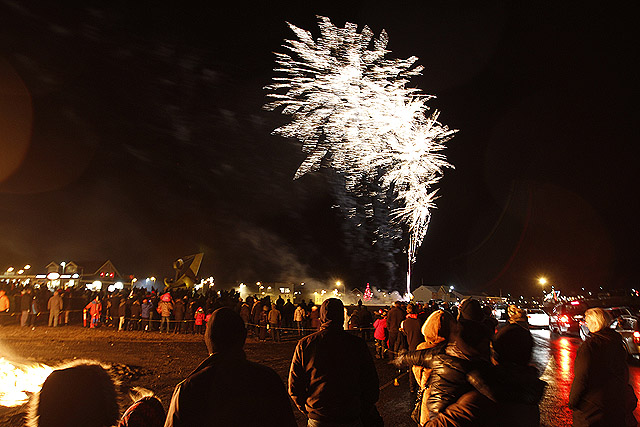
x,y
159,361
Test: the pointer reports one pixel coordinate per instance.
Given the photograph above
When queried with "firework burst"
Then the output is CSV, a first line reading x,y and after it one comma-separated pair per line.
x,y
352,110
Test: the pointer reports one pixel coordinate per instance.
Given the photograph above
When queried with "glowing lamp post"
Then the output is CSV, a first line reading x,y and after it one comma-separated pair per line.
x,y
543,281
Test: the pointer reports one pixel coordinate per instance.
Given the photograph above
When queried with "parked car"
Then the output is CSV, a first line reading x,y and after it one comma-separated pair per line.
x,y
565,317
626,324
500,313
537,318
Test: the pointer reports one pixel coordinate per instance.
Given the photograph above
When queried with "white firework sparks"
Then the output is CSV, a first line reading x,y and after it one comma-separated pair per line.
x,y
351,107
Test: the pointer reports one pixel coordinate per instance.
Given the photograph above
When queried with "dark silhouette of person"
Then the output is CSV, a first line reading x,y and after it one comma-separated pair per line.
x,y
216,393
333,379
82,394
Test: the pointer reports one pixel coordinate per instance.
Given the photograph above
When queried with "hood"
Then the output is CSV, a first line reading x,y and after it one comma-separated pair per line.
x,y
332,313
437,328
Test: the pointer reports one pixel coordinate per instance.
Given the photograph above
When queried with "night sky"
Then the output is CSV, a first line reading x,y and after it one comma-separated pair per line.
x,y
135,132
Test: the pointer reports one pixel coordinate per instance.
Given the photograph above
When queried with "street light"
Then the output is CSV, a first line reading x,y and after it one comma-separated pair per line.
x,y
344,288
543,281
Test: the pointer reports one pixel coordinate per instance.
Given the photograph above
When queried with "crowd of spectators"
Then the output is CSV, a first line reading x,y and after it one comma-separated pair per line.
x,y
463,368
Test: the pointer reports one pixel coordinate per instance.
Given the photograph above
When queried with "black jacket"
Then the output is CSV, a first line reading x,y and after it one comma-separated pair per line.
x,y
222,392
449,368
515,389
501,396
600,393
412,330
333,377
394,318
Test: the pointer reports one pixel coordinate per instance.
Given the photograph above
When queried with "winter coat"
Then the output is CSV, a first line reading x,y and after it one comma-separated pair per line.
x,y
55,303
4,303
245,312
287,311
517,391
135,309
411,327
114,304
25,301
165,308
256,311
298,315
436,330
314,318
395,316
600,393
366,319
380,329
122,308
216,394
333,377
263,319
145,310
199,318
449,368
501,396
178,310
94,308
274,317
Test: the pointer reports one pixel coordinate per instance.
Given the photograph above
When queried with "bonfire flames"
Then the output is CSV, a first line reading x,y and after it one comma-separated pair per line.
x,y
18,382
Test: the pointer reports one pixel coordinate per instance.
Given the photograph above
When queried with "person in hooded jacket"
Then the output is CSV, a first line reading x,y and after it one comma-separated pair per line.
x,y
216,393
333,379
600,393
178,314
145,314
395,316
505,394
450,363
512,384
436,331
517,315
411,327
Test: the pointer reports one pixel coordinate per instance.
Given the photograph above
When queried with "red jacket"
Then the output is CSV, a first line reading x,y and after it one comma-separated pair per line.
x,y
199,317
94,307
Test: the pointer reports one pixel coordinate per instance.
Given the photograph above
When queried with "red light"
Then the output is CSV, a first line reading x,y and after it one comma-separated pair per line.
x,y
575,302
563,319
636,337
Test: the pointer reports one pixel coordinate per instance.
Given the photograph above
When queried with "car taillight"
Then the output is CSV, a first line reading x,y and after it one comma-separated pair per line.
x,y
563,319
636,337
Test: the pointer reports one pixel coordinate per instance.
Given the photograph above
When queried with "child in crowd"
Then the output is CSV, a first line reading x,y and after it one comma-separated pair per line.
x,y
380,334
199,321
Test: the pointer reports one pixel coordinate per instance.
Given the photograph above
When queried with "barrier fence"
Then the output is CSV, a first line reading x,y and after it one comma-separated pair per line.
x,y
190,323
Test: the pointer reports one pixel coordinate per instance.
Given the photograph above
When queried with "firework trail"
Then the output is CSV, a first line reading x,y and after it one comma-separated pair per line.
x,y
352,110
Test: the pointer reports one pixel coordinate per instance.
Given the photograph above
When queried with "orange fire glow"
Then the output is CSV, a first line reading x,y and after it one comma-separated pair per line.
x,y
18,381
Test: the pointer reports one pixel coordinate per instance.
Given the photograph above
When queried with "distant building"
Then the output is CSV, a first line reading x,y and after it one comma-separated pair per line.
x,y
442,293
